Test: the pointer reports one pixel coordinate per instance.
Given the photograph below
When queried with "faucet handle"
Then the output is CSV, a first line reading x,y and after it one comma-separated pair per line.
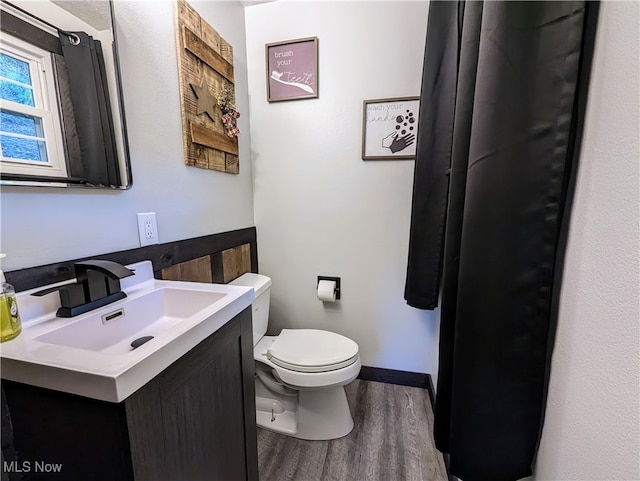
x,y
71,294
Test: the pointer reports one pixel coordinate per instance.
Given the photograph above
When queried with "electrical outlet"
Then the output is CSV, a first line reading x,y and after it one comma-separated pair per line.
x,y
147,228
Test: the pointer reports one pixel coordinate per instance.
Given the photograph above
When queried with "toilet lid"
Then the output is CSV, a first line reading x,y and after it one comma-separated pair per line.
x,y
312,350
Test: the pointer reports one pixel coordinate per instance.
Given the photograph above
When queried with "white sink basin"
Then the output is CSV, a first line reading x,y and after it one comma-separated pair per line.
x,y
91,355
111,329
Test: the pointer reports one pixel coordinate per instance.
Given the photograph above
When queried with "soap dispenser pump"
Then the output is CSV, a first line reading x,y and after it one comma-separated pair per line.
x,y
10,325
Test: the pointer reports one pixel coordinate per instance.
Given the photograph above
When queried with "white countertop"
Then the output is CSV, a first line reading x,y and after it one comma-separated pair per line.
x,y
110,377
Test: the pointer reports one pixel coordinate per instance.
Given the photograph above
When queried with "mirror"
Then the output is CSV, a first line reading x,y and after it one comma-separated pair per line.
x,y
45,138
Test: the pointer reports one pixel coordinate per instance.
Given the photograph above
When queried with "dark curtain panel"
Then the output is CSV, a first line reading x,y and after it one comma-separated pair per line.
x,y
465,92
99,71
91,106
519,87
433,156
72,149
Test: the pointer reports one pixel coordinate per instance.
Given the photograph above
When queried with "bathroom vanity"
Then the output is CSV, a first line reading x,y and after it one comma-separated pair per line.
x,y
181,407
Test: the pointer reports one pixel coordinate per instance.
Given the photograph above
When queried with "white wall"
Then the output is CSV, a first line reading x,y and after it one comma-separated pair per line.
x,y
592,424
40,226
320,209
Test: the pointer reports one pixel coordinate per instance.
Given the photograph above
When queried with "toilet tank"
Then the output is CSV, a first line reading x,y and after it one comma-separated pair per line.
x,y
260,308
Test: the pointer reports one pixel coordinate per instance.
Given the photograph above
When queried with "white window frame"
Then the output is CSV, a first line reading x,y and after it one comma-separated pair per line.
x,y
46,108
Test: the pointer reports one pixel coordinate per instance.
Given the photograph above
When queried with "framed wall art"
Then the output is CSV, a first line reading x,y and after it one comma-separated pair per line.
x,y
207,94
390,128
292,69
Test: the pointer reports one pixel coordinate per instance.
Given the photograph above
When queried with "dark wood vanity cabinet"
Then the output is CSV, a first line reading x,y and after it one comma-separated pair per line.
x,y
193,421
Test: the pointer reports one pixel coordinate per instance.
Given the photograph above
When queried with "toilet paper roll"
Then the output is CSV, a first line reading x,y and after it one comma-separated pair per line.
x,y
327,291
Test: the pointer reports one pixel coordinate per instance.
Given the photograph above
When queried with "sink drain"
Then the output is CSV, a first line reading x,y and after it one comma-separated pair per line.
x,y
140,341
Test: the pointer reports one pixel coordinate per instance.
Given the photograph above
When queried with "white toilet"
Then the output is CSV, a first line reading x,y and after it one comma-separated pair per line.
x,y
300,374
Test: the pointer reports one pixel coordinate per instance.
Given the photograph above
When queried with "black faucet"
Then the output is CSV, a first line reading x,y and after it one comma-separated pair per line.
x,y
98,284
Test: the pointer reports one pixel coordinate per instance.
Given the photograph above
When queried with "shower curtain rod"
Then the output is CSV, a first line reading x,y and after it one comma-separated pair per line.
x,y
53,29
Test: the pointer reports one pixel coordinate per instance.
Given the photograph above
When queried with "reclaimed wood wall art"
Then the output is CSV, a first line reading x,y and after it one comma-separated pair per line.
x,y
205,68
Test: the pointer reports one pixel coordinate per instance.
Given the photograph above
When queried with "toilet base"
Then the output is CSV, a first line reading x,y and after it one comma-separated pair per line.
x,y
277,420
319,414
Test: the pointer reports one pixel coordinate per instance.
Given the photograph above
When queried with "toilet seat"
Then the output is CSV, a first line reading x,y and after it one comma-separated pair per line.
x,y
305,380
312,351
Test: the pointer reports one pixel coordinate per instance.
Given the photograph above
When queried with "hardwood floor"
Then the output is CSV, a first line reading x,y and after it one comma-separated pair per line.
x,y
391,441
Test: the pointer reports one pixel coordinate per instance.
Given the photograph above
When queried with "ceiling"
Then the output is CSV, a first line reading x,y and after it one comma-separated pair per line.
x,y
94,12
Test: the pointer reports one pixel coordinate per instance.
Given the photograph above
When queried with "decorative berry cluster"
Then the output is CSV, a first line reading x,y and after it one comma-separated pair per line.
x,y
226,98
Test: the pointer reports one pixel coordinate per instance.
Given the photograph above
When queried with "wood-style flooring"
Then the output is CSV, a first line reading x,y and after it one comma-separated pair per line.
x,y
391,441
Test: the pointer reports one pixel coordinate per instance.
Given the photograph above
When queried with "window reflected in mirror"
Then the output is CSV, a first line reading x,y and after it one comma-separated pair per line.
x,y
61,113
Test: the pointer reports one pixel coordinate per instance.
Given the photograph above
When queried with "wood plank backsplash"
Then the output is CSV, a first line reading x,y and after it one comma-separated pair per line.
x,y
195,270
219,267
235,262
217,258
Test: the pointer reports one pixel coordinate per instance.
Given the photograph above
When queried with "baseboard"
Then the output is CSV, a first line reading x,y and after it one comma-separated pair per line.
x,y
391,376
405,378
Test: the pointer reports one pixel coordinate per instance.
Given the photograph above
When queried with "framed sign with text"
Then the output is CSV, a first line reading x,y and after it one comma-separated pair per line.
x,y
292,69
390,128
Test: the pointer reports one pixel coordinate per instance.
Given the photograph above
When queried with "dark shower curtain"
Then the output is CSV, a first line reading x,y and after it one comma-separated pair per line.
x,y
92,108
505,88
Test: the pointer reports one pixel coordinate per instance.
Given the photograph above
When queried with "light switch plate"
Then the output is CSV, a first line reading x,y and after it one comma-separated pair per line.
x,y
147,228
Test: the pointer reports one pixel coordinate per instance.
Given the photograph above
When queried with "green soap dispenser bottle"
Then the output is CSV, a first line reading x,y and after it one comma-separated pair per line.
x,y
10,325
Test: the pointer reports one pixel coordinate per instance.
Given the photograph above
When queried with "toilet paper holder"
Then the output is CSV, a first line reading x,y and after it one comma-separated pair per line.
x,y
328,278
